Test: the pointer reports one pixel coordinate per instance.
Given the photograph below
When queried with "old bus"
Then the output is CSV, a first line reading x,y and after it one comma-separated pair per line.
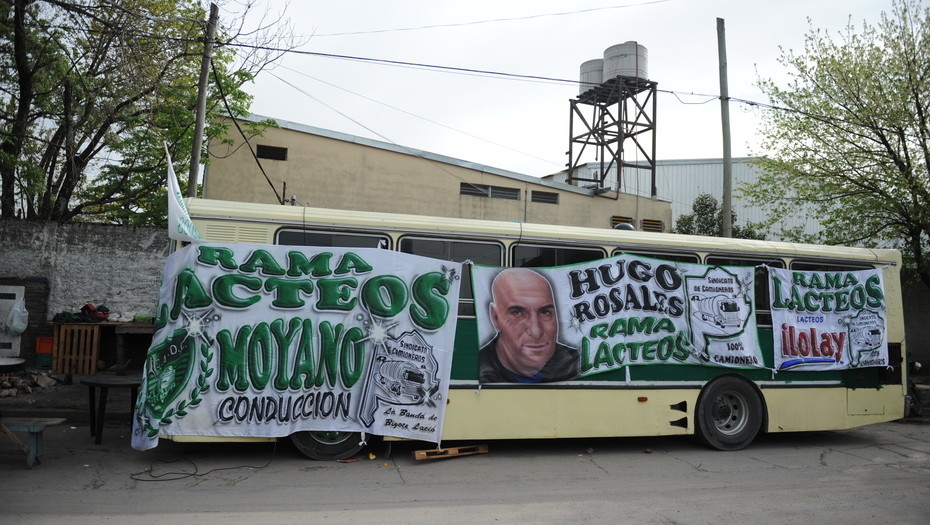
x,y
725,407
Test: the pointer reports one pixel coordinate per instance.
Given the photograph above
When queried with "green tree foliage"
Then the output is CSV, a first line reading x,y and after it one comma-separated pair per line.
x,y
89,92
852,149
706,218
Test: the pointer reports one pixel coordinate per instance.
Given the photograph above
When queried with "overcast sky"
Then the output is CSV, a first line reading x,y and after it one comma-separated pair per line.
x,y
522,125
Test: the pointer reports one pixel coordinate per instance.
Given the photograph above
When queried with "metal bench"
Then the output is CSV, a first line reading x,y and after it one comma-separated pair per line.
x,y
34,426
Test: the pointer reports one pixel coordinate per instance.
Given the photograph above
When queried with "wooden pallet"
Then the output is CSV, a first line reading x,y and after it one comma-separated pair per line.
x,y
76,348
451,452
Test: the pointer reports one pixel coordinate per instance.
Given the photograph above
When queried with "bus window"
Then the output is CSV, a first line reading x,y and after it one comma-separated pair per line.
x,y
535,255
333,239
763,314
487,253
665,256
827,266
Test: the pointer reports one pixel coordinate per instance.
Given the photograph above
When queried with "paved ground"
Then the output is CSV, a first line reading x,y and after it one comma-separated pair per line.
x,y
65,400
875,474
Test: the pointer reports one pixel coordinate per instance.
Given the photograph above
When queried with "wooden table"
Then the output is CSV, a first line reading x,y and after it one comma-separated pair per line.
x,y
121,330
98,409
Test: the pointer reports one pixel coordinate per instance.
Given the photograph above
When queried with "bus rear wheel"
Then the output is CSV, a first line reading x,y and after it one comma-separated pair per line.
x,y
327,446
729,414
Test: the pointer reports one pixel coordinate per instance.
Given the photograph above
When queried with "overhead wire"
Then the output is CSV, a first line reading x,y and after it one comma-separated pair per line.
x,y
409,151
492,74
235,121
490,21
395,108
472,71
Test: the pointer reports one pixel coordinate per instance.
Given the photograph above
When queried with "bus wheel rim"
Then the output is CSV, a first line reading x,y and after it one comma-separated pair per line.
x,y
730,413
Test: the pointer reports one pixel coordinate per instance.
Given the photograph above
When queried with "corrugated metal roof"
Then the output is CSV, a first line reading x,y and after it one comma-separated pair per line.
x,y
680,181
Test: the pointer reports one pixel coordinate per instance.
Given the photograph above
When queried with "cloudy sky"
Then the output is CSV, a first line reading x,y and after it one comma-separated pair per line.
x,y
515,123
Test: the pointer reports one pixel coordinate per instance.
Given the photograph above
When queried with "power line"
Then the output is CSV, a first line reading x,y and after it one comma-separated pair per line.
x,y
491,21
232,116
414,115
500,74
485,73
409,151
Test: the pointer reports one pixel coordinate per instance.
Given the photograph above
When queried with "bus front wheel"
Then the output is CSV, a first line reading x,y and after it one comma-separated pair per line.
x,y
327,446
729,414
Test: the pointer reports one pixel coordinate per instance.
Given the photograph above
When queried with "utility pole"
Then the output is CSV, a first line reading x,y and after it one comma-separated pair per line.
x,y
202,100
726,226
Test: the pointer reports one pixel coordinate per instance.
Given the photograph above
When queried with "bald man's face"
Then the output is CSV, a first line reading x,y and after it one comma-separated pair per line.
x,y
523,312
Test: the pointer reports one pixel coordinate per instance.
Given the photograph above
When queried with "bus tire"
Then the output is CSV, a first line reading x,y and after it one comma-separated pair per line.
x,y
327,446
729,414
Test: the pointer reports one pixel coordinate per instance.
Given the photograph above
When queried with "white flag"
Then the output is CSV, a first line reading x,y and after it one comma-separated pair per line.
x,y
180,227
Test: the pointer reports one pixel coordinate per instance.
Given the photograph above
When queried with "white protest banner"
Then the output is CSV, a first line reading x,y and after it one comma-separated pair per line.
x,y
180,227
560,323
828,320
259,340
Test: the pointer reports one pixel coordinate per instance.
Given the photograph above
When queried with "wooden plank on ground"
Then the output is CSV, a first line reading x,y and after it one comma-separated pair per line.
x,y
450,452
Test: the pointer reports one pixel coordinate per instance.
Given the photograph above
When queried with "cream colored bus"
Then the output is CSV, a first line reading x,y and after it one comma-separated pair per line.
x,y
725,407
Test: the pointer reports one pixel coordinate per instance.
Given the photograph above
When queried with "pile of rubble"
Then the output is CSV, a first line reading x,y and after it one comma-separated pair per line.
x,y
13,384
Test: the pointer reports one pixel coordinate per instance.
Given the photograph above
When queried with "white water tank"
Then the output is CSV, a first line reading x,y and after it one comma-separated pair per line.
x,y
628,59
592,74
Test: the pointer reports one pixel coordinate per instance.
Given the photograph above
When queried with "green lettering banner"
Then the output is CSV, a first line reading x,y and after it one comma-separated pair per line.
x,y
258,340
828,320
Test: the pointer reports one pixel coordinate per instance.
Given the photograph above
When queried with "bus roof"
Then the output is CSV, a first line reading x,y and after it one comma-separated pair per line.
x,y
298,216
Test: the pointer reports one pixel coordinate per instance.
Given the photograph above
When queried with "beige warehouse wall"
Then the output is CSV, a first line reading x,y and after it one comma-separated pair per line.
x,y
346,172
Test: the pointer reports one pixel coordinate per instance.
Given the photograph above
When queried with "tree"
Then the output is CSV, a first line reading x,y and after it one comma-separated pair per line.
x,y
89,92
706,218
850,144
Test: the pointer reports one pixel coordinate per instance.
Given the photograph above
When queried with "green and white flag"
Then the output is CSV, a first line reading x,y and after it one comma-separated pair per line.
x,y
180,227
265,341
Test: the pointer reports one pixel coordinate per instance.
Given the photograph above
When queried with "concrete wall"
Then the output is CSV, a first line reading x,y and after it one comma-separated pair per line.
x,y
81,263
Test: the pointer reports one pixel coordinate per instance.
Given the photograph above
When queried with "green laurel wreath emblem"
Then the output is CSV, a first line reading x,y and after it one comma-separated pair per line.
x,y
166,406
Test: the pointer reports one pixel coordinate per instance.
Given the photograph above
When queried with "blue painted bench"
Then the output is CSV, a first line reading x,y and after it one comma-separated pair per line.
x,y
34,426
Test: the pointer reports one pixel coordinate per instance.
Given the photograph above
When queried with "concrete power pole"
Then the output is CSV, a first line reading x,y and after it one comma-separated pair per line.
x,y
202,100
726,227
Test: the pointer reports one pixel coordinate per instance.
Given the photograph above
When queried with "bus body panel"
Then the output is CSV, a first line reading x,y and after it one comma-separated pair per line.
x,y
802,409
542,413
606,406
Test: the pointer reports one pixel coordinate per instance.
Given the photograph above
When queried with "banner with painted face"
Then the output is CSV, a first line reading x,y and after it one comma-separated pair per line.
x,y
828,320
561,323
258,340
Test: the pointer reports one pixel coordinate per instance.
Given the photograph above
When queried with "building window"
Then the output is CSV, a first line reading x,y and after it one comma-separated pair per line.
x,y
270,152
494,192
545,197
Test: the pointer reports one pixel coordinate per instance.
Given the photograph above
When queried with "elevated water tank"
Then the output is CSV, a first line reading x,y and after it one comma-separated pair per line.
x,y
592,74
628,59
